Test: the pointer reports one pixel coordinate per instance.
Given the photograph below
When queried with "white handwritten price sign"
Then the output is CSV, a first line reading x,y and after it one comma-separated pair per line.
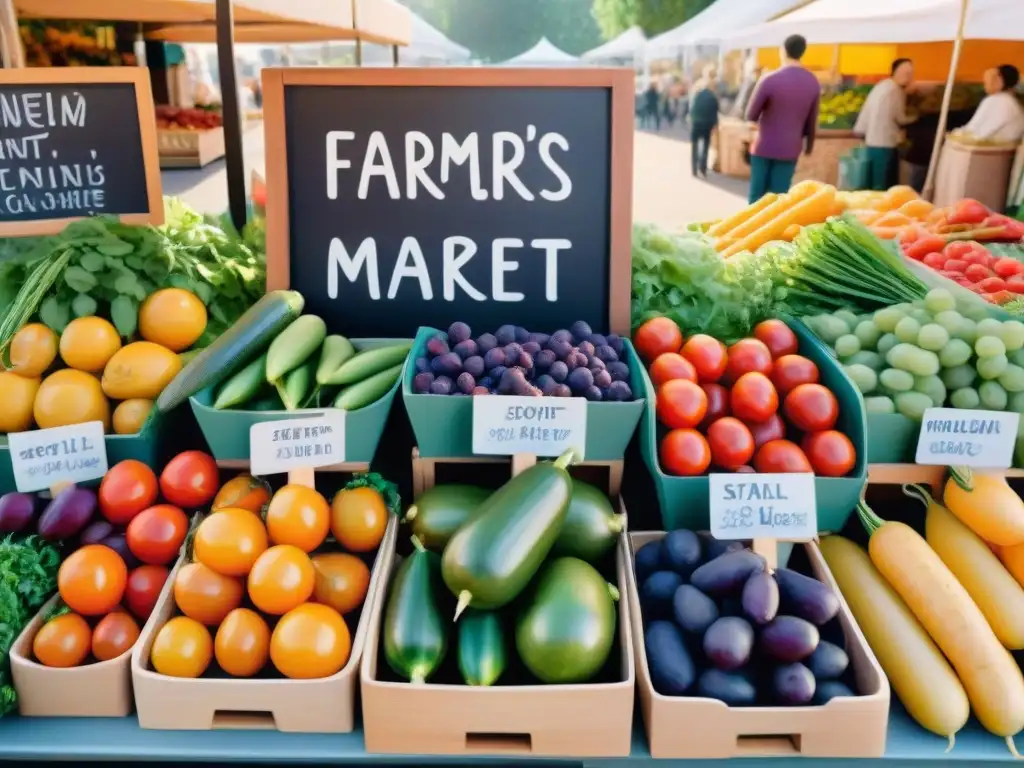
x,y
967,438
543,426
764,506
314,441
45,457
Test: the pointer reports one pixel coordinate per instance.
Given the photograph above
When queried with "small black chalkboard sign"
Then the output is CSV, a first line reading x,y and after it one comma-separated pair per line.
x,y
401,198
76,143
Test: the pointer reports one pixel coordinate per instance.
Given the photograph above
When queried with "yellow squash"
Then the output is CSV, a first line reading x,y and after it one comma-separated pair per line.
x,y
985,504
140,370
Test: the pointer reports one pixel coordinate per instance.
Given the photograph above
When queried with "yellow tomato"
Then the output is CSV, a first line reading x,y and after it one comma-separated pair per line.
x,y
17,395
310,641
341,581
242,645
88,343
172,317
69,396
130,415
182,648
299,516
281,578
140,370
33,350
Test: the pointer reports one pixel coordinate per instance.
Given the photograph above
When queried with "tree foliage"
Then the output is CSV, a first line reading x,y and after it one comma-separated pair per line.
x,y
654,16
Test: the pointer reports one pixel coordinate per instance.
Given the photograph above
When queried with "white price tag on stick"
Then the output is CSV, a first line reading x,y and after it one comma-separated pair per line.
x,y
44,458
967,438
285,444
544,426
778,506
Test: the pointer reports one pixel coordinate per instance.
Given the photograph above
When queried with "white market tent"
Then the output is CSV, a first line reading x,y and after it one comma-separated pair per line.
x,y
629,46
543,54
427,46
717,20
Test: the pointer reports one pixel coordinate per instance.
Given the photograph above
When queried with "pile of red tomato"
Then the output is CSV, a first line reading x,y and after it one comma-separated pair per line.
x,y
969,263
108,592
755,406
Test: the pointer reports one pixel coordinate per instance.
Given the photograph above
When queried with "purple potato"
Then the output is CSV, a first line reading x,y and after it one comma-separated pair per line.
x,y
693,610
486,382
495,357
486,342
587,348
465,349
598,340
760,598
449,364
806,597
725,576
596,364
619,391
421,383
728,642
119,544
543,359
602,379
615,342
540,338
514,382
546,384
459,332
465,383
562,349
561,390
576,360
505,335
512,352
526,361
480,391
592,393
558,371
531,347
437,345
474,366
67,513
442,385
496,373
422,364
580,331
618,370
95,533
16,511
793,684
579,379
560,336
607,354
522,335
828,661
788,638
736,689
826,690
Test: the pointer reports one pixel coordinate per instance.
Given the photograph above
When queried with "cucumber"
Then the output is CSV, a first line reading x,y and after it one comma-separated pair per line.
x,y
335,351
246,338
296,384
242,386
566,632
492,558
482,657
269,403
441,511
415,632
591,525
367,363
368,391
294,345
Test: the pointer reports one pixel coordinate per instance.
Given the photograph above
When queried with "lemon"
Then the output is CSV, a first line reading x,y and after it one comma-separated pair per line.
x,y
88,343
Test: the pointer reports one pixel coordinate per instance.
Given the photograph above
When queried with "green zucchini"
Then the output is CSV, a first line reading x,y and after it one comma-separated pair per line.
x,y
243,340
335,351
294,387
367,363
368,391
294,345
242,386
591,525
415,632
567,630
482,657
441,511
492,558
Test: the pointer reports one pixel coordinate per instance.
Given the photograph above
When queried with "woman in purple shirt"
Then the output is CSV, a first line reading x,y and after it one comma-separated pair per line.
x,y
785,108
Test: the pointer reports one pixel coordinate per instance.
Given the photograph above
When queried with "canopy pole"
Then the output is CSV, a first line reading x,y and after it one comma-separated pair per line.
x,y
355,31
234,159
940,132
10,37
394,55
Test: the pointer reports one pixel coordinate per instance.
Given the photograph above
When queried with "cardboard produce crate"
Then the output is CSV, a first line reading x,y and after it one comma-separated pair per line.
x,y
691,727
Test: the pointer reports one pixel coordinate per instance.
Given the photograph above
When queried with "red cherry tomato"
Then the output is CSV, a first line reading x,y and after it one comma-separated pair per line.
x,y
766,431
156,534
746,469
958,249
977,272
791,370
685,452
656,336
931,259
781,456
681,404
190,479
830,452
955,266
128,488
143,589
753,398
745,356
671,365
718,404
778,337
811,408
708,355
992,284
731,443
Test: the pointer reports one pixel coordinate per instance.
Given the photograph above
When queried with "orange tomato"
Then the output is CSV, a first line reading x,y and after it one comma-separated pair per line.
x,y
229,541
92,580
155,535
242,644
310,641
182,648
299,516
916,209
657,336
358,519
671,365
280,579
190,479
63,641
128,488
242,492
114,635
205,595
892,219
341,581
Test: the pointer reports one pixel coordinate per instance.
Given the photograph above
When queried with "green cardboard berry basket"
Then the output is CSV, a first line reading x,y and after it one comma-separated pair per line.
x,y
443,424
684,500
227,431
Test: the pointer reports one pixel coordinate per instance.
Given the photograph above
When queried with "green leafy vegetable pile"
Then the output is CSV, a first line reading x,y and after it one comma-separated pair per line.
x,y
101,266
28,576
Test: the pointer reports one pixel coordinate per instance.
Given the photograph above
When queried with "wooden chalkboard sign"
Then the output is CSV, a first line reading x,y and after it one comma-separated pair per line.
x,y
76,142
406,197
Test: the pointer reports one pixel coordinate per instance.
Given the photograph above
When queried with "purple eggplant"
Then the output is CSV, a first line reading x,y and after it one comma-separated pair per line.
x,y
67,514
119,544
16,511
95,533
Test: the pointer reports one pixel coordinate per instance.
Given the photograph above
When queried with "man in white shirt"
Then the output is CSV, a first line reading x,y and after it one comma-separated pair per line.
x,y
1000,116
881,121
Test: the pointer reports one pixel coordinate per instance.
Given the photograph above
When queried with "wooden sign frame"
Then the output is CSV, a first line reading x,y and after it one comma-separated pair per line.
x,y
136,76
618,81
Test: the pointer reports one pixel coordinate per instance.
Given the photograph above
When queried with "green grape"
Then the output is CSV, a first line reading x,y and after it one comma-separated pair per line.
x,y
913,404
956,352
896,380
931,386
879,404
921,315
1012,379
1012,334
907,330
993,396
939,300
989,346
932,336
831,328
919,362
886,319
864,378
965,398
846,316
1017,357
989,326
847,345
867,333
887,342
872,360
991,367
959,376
968,331
1016,403
949,320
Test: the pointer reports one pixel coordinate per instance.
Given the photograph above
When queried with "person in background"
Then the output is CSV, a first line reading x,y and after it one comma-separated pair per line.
x,y
652,102
785,108
703,121
752,74
881,122
1000,116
